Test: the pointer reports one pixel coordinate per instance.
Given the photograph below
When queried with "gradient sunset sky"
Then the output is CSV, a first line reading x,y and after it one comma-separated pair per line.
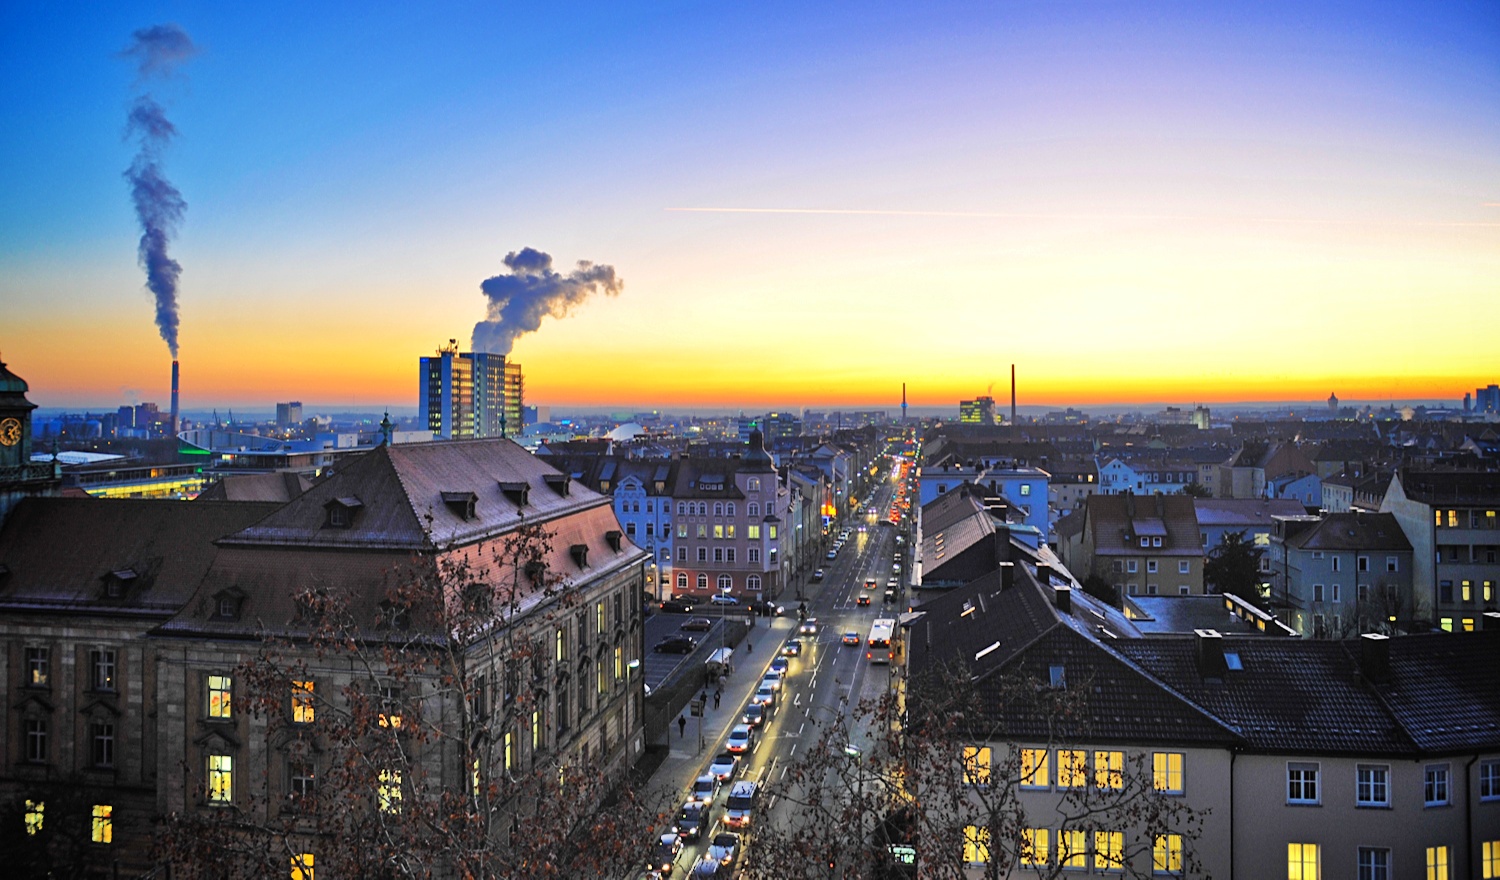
x,y
808,204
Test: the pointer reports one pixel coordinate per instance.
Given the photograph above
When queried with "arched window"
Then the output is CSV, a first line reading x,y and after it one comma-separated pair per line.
x,y
718,509
752,583
725,582
753,509
729,508
682,580
702,581
681,508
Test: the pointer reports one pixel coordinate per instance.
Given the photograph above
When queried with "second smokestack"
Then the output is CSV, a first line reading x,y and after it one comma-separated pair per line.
x,y
172,424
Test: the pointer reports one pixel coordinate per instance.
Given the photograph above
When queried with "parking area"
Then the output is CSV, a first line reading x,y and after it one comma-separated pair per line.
x,y
662,625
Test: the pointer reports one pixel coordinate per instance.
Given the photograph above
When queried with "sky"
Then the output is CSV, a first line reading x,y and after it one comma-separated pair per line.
x,y
803,204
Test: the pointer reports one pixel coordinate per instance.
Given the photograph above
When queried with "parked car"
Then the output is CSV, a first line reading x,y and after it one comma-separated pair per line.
x,y
697,624
864,599
817,576
690,820
665,854
724,766
740,739
890,596
851,638
833,554
721,599
676,645
704,788
679,604
792,648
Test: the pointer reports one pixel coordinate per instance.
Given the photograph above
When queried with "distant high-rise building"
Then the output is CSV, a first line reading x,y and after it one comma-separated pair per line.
x,y
465,395
288,414
1487,399
979,411
148,418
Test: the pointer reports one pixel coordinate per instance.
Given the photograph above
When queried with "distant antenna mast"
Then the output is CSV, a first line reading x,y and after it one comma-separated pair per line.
x,y
903,403
1014,431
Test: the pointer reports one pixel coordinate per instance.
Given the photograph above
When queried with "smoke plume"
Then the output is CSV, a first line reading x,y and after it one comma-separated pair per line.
x,y
159,206
532,291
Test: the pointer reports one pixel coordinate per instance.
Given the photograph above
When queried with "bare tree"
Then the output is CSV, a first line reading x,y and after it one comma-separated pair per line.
x,y
944,795
427,757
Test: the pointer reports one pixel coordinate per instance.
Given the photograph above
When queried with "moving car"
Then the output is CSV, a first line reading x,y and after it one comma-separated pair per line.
x,y
665,854
851,638
739,739
890,596
809,627
864,599
705,868
766,696
772,681
679,604
741,803
767,608
675,645
755,715
817,576
690,819
704,788
792,648
833,554
869,583
697,624
725,848
780,666
724,766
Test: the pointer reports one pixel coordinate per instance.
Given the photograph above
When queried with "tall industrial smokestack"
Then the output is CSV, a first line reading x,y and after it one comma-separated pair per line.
x,y
1014,431
903,403
173,424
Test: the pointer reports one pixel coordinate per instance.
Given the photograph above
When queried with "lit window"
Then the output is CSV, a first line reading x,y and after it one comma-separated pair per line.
x,y
1166,771
1489,858
1435,785
1072,768
729,530
1166,854
1372,785
1437,863
219,705
1034,768
976,765
1109,850
1374,863
36,667
536,730
303,711
619,663
508,751
220,779
772,530
103,829
1109,769
388,791
976,845
35,811
1302,783
302,866
599,616
718,531
103,663
1302,861
1072,849
1034,846
752,532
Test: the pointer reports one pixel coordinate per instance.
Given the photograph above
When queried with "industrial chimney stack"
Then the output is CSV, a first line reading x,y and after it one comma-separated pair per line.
x,y
172,424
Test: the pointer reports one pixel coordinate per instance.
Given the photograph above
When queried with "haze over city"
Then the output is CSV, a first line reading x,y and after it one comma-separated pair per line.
x,y
1130,202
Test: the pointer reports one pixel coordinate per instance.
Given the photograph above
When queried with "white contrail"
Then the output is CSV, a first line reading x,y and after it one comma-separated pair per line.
x,y
1017,215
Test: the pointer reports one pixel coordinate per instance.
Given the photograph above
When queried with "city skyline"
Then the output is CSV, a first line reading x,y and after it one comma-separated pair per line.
x,y
1131,203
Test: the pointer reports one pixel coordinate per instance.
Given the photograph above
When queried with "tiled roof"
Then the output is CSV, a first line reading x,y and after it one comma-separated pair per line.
x,y
1444,691
1246,512
57,552
1353,531
1113,520
1451,487
280,486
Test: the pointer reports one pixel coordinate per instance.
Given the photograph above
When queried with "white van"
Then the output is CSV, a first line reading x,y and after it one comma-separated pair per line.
x,y
741,804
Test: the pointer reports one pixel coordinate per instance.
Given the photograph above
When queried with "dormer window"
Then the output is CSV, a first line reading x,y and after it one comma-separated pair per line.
x,y
613,536
518,493
536,571
341,512
118,583
580,554
461,503
557,482
227,604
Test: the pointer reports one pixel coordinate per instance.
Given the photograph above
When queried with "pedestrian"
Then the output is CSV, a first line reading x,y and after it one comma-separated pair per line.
x,y
681,726
749,648
717,694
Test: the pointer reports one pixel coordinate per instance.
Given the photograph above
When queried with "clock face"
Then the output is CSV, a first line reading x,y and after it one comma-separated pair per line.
x,y
10,432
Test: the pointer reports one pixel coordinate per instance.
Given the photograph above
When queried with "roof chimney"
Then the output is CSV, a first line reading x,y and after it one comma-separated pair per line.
x,y
1375,657
1064,599
1489,620
1008,575
1211,653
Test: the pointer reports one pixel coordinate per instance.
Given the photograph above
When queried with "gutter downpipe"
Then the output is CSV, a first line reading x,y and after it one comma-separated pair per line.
x,y
1233,753
1469,819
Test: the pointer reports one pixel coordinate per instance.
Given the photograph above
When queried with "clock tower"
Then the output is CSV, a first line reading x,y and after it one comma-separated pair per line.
x,y
19,476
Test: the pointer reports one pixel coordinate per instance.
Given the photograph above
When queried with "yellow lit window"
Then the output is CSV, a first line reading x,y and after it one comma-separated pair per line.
x,y
510,751
1109,850
1166,771
220,779
718,531
1302,861
976,765
1166,854
729,531
1034,768
1452,519
34,816
1034,846
562,644
219,687
976,845
1437,517
302,702
619,663
104,825
1437,863
1489,859
1109,769
1466,591
772,529
302,866
389,791
390,707
1072,849
752,532
1072,768
599,616
1488,591
474,780
599,678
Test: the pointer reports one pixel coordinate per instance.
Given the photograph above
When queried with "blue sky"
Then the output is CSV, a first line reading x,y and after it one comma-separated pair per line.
x,y
1254,190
